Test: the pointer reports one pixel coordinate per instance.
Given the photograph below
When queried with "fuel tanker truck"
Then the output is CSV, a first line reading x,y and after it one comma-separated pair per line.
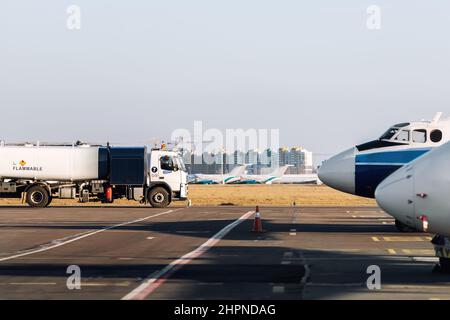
x,y
38,173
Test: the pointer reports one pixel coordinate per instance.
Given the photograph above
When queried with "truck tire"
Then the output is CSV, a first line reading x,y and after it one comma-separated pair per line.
x,y
38,197
158,197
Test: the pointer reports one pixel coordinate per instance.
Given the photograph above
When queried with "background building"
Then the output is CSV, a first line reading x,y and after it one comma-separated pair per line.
x,y
299,159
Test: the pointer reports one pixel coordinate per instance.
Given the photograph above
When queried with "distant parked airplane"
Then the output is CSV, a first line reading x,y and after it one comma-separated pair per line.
x,y
264,179
232,177
299,178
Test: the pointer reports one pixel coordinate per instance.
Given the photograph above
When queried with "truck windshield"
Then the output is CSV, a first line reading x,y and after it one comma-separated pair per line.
x,y
181,164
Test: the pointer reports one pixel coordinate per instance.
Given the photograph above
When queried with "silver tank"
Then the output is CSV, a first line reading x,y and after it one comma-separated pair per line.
x,y
50,163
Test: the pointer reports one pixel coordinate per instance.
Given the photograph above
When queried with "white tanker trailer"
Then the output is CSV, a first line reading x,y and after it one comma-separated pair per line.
x,y
38,173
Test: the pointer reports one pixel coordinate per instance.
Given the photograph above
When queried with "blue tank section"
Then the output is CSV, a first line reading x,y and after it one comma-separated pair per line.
x,y
127,166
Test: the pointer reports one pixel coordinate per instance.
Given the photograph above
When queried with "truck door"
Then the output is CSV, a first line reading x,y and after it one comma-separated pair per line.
x,y
169,171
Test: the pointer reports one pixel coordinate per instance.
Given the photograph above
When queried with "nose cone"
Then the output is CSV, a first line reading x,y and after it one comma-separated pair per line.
x,y
339,171
394,195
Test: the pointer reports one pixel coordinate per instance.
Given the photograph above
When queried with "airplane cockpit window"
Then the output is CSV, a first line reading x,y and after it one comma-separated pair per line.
x,y
403,136
389,134
436,135
419,136
401,125
399,135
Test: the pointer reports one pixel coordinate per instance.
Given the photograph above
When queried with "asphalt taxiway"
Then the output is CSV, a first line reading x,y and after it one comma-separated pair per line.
x,y
210,253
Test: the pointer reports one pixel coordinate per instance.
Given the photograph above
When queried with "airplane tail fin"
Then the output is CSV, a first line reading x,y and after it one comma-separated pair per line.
x,y
237,171
279,172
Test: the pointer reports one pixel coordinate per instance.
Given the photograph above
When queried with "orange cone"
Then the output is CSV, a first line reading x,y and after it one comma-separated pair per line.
x,y
257,223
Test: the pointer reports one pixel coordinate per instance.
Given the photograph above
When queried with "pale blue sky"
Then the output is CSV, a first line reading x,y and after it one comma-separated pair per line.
x,y
139,69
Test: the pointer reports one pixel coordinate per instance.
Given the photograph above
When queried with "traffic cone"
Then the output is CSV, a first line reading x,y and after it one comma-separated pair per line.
x,y
257,223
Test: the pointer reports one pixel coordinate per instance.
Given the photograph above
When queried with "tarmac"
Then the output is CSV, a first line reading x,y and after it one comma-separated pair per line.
x,y
199,253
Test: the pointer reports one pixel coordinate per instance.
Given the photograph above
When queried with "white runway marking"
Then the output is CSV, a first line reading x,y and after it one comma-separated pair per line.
x,y
278,289
60,243
425,259
372,258
193,231
402,239
356,284
158,278
105,284
32,283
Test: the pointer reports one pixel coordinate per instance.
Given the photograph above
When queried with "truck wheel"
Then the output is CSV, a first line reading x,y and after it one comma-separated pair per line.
x,y
158,197
38,197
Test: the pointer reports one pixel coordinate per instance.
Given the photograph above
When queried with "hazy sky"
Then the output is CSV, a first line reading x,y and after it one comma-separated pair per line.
x,y
139,69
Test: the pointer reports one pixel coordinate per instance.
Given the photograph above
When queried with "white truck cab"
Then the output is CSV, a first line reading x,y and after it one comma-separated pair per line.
x,y
166,170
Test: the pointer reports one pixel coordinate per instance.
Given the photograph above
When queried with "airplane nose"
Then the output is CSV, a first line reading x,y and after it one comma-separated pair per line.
x,y
338,172
394,195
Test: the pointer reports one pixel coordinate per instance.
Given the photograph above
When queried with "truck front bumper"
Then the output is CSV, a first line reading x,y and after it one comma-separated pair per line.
x,y
184,190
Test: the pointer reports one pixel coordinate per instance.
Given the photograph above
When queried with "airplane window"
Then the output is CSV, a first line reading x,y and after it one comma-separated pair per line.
x,y
419,136
436,135
389,134
403,136
377,144
401,125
